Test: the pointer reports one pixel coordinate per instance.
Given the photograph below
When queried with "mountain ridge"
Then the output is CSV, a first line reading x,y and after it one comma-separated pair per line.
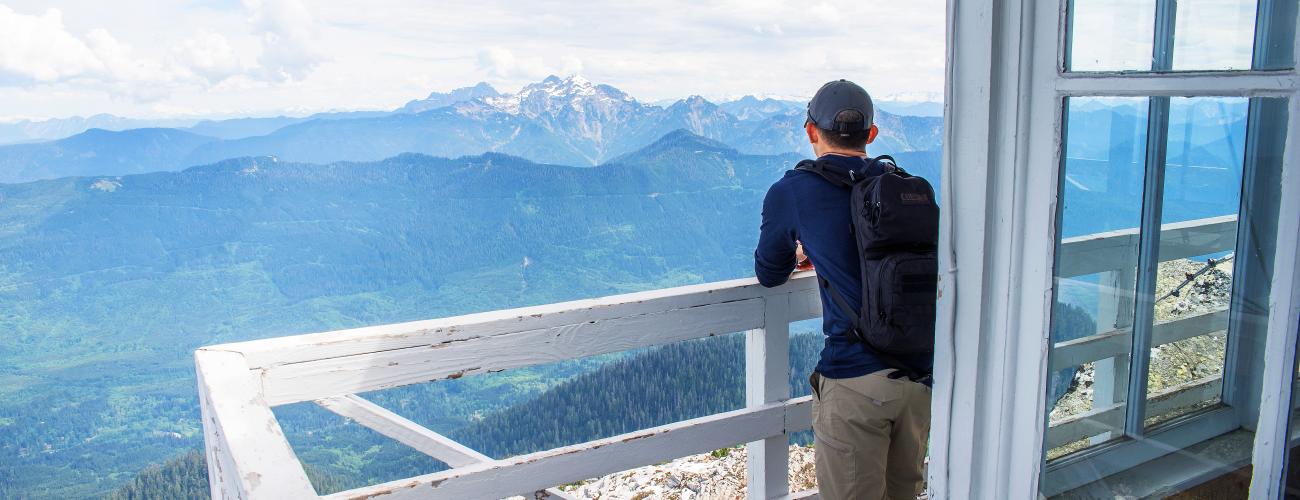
x,y
561,121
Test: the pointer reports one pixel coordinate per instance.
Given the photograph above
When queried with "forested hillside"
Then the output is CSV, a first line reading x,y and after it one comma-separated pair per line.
x,y
96,151
185,477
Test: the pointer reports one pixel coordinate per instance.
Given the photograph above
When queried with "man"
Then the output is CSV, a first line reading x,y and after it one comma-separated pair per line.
x,y
870,429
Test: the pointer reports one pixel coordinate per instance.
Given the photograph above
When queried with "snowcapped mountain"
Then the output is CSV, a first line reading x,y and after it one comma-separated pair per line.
x,y
554,96
591,119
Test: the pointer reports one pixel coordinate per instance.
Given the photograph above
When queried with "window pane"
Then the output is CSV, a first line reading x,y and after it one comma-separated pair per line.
x,y
1101,208
1120,35
1214,34
1202,195
1112,35
1219,188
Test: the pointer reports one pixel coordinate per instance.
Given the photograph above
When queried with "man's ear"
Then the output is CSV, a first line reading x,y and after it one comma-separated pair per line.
x,y
813,138
871,134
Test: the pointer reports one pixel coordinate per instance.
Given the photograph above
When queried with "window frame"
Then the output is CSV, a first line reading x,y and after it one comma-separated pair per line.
x,y
1004,103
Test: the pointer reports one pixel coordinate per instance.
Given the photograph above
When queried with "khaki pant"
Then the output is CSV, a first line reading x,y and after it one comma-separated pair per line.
x,y
870,434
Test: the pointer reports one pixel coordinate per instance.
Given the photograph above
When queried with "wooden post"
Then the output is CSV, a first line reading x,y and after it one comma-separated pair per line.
x,y
767,374
248,457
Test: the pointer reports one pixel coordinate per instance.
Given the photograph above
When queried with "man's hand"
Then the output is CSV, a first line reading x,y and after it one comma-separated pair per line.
x,y
801,262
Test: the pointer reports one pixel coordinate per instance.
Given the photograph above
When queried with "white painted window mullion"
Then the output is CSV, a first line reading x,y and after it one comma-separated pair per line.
x,y
1272,441
1261,83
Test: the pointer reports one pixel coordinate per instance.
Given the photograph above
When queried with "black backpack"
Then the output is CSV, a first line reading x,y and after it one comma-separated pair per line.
x,y
896,227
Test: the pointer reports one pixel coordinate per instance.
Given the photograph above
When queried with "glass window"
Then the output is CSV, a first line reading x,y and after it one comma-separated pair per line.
x,y
1111,35
1214,34
1201,198
1167,222
1183,35
1100,212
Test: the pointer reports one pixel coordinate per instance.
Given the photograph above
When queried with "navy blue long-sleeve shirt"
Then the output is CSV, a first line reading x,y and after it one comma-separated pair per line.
x,y
803,206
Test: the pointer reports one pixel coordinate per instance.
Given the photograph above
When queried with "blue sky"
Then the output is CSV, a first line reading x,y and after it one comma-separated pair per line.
x,y
153,58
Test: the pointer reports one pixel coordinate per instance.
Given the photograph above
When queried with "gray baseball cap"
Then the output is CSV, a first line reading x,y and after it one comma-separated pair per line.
x,y
837,96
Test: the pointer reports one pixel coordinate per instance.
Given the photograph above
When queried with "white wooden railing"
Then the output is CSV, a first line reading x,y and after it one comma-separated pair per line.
x,y
249,457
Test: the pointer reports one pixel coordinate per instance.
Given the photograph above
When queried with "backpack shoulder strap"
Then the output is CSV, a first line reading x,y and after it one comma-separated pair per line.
x,y
833,174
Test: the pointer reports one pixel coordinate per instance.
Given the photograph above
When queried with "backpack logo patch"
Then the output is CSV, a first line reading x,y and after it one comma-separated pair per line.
x,y
914,198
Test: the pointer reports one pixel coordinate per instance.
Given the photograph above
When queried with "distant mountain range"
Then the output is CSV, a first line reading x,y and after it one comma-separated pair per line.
x,y
31,131
24,131
28,131
566,121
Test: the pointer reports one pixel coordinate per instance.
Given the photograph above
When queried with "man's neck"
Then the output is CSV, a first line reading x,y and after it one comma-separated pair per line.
x,y
841,152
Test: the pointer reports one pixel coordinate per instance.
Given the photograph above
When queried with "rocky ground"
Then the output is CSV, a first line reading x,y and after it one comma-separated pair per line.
x,y
710,476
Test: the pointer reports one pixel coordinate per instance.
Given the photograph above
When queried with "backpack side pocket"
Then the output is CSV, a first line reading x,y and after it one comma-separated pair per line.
x,y
901,311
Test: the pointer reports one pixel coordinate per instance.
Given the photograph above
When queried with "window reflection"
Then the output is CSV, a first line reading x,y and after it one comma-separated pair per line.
x,y
1111,35
1214,34
1202,195
1162,272
1121,35
1101,209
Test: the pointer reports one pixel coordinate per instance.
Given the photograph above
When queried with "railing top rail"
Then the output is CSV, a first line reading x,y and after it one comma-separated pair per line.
x,y
308,367
372,339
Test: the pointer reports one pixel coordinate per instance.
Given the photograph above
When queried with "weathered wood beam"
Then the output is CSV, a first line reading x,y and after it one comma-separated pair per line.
x,y
383,421
312,380
253,459
421,438
429,333
534,471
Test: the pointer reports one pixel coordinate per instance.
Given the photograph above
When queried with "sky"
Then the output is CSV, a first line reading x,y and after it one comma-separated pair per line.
x,y
219,58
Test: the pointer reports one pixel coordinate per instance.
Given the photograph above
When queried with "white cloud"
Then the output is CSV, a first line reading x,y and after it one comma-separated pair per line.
x,y
40,49
570,65
210,56
504,64
289,33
